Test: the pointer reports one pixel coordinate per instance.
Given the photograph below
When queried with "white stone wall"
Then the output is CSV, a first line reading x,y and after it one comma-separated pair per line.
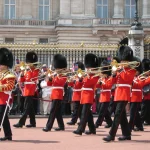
x,y
76,22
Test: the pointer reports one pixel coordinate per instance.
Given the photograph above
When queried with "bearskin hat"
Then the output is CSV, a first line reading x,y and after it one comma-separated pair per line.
x,y
146,64
80,65
105,67
90,61
59,61
6,57
125,53
31,57
139,68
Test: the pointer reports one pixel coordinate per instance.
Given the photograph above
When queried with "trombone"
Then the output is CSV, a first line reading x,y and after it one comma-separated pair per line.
x,y
25,66
144,75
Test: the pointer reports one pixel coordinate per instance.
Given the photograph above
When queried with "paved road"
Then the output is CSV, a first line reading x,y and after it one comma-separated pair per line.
x,y
36,139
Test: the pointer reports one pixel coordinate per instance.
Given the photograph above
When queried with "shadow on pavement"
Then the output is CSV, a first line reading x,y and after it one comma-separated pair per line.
x,y
34,141
136,141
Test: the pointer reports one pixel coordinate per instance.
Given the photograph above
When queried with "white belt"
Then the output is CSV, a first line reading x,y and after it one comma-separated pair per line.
x,y
87,89
29,82
57,87
136,90
76,90
123,85
105,90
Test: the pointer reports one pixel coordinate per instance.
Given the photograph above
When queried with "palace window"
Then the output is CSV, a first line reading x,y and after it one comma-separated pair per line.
x,y
9,40
10,9
102,8
44,9
43,40
129,8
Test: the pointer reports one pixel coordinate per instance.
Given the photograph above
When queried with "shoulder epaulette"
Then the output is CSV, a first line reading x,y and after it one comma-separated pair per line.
x,y
9,75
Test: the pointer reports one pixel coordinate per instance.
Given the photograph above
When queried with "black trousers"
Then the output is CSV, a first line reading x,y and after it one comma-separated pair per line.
x,y
6,123
120,118
112,106
55,112
103,112
86,116
135,116
77,108
145,111
28,110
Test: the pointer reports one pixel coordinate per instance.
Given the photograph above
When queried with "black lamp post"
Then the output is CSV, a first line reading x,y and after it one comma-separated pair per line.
x,y
136,25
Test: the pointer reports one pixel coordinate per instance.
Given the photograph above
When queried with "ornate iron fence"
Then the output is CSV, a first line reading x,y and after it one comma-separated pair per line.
x,y
147,51
73,52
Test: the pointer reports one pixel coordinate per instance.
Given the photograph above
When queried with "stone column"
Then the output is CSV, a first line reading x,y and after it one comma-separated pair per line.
x,y
118,9
146,9
136,42
65,7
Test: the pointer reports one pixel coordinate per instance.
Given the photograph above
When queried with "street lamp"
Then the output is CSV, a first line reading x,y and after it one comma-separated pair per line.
x,y
136,25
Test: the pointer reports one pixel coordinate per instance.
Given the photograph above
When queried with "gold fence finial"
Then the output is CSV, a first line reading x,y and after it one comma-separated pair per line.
x,y
82,44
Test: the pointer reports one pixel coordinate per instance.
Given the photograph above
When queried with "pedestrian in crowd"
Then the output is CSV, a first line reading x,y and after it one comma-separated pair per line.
x,y
16,92
46,94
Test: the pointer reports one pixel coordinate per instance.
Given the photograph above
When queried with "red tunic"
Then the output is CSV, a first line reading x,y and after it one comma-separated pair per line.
x,y
105,86
30,81
147,96
123,82
77,90
137,86
58,83
87,93
7,83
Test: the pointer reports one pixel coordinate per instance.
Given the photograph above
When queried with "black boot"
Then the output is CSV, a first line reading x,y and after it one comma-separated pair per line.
x,y
108,138
123,138
138,129
9,138
59,129
30,125
18,125
71,123
96,125
90,132
77,132
108,126
46,129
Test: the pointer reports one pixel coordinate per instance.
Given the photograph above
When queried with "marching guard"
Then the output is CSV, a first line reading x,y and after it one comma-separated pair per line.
x,y
7,82
77,85
145,108
57,82
136,99
87,96
29,78
105,84
124,78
